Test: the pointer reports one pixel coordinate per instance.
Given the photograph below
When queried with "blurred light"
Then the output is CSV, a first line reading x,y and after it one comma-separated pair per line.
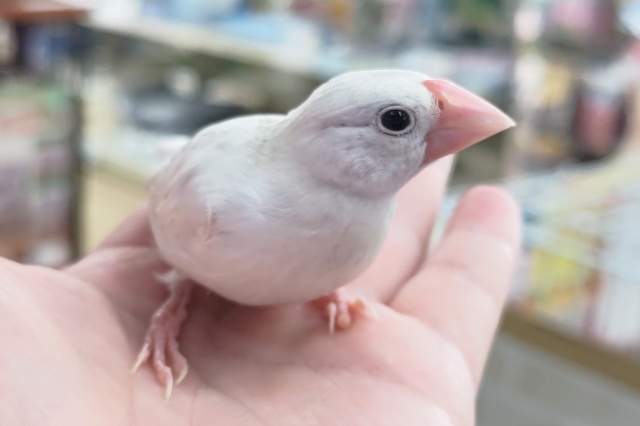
x,y
528,23
630,17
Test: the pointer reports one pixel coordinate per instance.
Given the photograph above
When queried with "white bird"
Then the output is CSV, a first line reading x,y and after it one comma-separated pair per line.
x,y
273,209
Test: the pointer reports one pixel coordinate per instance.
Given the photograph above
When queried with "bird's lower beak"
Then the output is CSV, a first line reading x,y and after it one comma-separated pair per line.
x,y
464,120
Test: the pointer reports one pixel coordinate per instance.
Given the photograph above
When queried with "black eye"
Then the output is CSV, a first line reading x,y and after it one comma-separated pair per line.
x,y
395,120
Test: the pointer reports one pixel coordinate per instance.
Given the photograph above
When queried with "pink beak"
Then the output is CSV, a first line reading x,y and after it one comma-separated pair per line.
x,y
464,120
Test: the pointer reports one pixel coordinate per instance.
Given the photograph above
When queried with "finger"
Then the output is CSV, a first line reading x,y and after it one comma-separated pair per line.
x,y
134,231
404,248
460,290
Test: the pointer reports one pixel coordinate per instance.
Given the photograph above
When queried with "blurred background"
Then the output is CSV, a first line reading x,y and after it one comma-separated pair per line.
x,y
95,94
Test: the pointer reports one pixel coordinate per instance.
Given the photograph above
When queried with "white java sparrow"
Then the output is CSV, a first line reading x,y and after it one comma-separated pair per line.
x,y
272,209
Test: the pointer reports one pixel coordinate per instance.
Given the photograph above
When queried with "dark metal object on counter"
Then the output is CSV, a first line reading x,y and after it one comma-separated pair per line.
x,y
160,111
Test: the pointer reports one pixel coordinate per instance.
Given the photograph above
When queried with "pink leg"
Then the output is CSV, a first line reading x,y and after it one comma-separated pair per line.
x,y
161,341
341,307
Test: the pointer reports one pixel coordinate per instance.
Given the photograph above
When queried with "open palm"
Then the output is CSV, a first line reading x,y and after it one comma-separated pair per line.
x,y
69,338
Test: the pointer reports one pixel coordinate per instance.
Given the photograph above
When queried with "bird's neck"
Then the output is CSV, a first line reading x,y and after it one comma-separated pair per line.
x,y
348,171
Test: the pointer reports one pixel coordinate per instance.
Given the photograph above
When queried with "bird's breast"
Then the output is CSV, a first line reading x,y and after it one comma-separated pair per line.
x,y
270,248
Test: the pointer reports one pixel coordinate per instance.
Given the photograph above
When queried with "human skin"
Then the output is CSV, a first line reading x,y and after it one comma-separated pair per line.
x,y
69,337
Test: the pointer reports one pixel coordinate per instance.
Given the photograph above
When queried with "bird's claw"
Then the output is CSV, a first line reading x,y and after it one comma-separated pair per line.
x,y
143,356
161,345
341,308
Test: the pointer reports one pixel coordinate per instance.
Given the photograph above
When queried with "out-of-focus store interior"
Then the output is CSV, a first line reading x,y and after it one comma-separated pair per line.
x,y
95,95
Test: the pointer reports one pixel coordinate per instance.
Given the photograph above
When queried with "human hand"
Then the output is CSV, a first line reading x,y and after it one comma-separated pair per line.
x,y
69,338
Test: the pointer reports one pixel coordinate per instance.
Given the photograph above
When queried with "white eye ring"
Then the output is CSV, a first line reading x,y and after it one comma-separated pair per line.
x,y
395,120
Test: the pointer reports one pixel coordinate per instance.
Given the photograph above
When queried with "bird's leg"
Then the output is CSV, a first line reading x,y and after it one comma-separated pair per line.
x,y
340,307
161,341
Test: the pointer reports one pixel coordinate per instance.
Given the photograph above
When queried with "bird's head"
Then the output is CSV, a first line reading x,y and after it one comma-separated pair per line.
x,y
370,132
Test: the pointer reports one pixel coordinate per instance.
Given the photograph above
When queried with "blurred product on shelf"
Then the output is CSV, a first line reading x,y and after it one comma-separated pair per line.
x,y
583,29
478,22
315,38
575,79
567,114
35,172
39,130
578,271
630,16
581,233
372,26
600,117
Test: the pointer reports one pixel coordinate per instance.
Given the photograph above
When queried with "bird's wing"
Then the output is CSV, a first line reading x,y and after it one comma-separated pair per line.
x,y
185,196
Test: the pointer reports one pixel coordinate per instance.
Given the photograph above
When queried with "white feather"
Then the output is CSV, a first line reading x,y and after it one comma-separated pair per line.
x,y
274,209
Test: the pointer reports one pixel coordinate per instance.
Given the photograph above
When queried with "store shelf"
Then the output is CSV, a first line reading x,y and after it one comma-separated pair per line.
x,y
303,54
484,71
218,43
622,368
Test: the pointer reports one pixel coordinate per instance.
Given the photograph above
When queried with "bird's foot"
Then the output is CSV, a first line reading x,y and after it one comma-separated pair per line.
x,y
341,308
160,345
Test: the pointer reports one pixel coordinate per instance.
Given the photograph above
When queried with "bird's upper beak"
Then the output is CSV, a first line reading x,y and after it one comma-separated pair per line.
x,y
464,120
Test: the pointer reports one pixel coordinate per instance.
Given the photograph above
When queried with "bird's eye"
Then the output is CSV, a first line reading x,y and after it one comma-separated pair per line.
x,y
395,120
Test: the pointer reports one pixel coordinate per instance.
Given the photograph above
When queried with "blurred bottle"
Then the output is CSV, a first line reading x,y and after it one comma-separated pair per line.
x,y
367,27
381,27
476,22
601,114
572,83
